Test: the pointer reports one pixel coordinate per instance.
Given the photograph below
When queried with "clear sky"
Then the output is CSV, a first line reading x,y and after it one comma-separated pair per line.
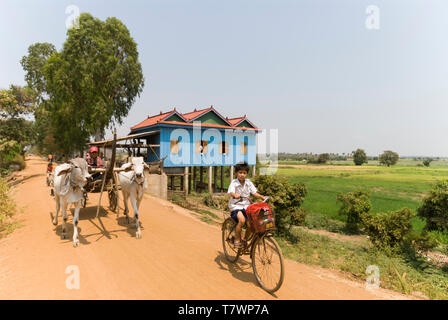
x,y
310,69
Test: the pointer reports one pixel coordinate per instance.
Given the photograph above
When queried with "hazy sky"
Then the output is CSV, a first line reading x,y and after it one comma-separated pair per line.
x,y
310,69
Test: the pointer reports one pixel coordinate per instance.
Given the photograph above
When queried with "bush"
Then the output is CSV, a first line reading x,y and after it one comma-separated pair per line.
x,y
354,205
387,231
18,161
285,200
434,208
7,206
427,162
9,150
298,217
420,242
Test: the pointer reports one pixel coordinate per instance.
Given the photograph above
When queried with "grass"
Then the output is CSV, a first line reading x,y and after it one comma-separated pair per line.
x,y
407,273
392,188
205,215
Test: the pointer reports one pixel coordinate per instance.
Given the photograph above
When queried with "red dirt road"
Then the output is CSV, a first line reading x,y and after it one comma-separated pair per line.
x,y
178,257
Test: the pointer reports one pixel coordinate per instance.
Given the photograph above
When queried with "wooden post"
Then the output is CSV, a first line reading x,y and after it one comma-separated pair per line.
x,y
194,179
222,178
253,171
231,173
189,180
186,181
201,175
210,176
215,176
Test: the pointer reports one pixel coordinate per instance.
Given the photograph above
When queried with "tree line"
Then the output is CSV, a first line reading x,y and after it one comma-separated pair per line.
x,y
359,157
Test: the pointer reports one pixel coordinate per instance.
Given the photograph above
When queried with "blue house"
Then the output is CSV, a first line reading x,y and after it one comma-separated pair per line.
x,y
201,138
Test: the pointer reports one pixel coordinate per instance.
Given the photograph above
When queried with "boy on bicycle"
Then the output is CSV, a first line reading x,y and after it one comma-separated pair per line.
x,y
240,190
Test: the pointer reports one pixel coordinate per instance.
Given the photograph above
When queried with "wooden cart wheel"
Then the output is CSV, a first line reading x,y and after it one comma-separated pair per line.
x,y
113,199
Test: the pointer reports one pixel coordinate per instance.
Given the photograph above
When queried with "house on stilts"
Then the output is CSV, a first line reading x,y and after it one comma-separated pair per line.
x,y
197,142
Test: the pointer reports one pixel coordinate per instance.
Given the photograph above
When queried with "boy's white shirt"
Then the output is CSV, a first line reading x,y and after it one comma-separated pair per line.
x,y
236,187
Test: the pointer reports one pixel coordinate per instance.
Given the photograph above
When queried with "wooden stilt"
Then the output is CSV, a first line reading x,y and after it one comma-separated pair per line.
x,y
210,178
189,180
194,179
201,175
186,181
231,173
215,177
222,178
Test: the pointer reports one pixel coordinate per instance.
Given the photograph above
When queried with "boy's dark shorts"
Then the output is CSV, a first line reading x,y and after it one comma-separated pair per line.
x,y
234,214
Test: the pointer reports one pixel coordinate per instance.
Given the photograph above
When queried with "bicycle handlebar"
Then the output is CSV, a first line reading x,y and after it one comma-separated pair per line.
x,y
247,198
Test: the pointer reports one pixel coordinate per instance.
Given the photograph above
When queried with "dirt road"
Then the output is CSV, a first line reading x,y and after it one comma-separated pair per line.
x,y
179,257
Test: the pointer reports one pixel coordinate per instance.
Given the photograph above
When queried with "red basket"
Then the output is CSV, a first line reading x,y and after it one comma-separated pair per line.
x,y
260,217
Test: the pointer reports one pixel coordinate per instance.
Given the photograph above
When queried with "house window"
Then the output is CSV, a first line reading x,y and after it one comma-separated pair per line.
x,y
201,146
175,146
224,147
244,147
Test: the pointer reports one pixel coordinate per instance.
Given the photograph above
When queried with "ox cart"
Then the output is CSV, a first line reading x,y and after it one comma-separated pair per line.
x,y
109,181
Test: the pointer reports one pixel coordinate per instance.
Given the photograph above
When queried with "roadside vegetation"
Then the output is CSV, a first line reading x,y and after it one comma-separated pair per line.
x,y
7,209
407,273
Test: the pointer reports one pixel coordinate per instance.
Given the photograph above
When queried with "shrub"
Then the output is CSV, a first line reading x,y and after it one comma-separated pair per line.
x,y
298,217
427,162
434,208
387,231
420,242
18,161
8,152
353,206
285,199
7,205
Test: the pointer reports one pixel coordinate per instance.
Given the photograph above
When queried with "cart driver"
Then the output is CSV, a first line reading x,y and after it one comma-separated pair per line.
x,y
94,161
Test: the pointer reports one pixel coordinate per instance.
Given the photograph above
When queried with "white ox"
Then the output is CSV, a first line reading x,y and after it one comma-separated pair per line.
x,y
133,185
69,181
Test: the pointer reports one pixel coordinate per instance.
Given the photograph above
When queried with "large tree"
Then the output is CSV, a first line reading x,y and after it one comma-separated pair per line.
x,y
15,103
359,157
91,83
33,64
388,158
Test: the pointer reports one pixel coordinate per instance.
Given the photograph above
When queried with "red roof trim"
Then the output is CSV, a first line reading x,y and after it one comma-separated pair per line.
x,y
157,118
241,119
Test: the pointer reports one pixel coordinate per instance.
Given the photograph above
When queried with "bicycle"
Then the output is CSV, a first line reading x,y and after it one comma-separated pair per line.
x,y
264,251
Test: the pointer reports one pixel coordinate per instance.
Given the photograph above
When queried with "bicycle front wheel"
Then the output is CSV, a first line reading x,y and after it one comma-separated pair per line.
x,y
267,263
228,235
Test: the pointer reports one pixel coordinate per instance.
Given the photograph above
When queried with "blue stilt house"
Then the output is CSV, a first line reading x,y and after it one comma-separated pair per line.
x,y
198,138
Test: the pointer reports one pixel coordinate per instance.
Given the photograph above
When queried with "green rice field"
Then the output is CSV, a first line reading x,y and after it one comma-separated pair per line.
x,y
402,185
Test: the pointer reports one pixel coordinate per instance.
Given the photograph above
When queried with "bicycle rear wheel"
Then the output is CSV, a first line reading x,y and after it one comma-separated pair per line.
x,y
228,235
267,263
